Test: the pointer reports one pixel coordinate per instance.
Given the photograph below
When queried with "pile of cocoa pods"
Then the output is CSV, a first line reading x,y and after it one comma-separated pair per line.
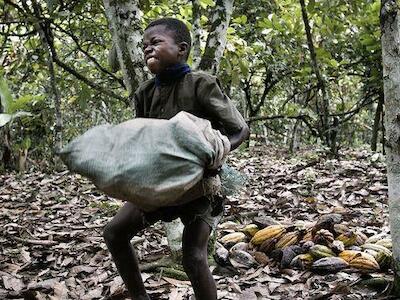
x,y
325,245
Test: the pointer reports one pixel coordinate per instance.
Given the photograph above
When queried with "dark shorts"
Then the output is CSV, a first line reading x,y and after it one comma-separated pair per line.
x,y
209,209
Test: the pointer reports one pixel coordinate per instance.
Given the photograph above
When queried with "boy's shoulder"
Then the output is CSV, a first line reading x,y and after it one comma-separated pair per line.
x,y
202,75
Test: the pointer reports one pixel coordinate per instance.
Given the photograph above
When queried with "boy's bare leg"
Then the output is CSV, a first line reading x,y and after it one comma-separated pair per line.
x,y
195,262
118,234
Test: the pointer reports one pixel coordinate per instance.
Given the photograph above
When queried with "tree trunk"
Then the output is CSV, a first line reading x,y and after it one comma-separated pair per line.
x,y
216,40
196,33
47,41
124,20
391,84
5,148
377,123
325,134
294,144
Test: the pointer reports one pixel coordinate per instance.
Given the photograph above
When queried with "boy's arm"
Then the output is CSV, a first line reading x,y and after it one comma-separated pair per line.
x,y
222,109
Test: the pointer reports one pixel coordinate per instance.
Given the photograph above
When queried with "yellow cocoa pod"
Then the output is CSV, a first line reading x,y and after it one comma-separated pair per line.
x,y
302,261
348,238
348,255
373,239
319,251
371,252
377,248
272,231
233,238
340,228
385,243
288,239
383,259
250,229
365,262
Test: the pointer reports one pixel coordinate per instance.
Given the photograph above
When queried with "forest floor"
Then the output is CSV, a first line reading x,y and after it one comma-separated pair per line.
x,y
52,245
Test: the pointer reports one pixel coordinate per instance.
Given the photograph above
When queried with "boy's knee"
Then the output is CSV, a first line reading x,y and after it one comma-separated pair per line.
x,y
109,233
194,260
113,234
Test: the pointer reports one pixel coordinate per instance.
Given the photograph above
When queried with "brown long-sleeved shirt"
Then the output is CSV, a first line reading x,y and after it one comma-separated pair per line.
x,y
197,93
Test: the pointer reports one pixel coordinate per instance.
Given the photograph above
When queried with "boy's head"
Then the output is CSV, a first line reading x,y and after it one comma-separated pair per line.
x,y
166,42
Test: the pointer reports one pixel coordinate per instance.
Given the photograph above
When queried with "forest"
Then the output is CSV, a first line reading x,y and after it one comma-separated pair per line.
x,y
317,83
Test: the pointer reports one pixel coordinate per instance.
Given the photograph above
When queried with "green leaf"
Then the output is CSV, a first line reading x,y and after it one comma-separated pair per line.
x,y
230,30
244,68
276,23
240,20
145,5
83,96
322,53
205,3
5,95
24,102
367,40
333,63
235,77
265,23
26,143
4,119
226,65
185,11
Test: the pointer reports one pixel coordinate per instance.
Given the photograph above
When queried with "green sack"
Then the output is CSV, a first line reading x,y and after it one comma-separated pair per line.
x,y
150,162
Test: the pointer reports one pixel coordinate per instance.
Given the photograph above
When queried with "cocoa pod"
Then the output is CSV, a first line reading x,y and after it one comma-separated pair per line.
x,y
330,264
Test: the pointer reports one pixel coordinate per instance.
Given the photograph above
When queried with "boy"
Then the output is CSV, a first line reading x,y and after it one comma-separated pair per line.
x,y
166,46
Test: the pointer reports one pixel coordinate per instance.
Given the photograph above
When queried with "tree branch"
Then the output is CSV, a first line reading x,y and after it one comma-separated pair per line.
x,y
82,78
91,58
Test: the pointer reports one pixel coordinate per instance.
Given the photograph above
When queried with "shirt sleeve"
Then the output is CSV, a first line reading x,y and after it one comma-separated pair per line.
x,y
138,103
218,105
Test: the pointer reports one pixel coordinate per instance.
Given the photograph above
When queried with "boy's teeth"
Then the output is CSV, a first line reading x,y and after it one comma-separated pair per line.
x,y
151,60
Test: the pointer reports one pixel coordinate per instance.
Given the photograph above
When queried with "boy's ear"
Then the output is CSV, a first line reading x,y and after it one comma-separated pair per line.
x,y
183,47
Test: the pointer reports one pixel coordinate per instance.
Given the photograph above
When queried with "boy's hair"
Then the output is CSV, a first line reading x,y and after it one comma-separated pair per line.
x,y
180,30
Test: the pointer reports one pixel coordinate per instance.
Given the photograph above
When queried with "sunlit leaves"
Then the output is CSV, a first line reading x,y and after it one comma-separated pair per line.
x,y
240,20
5,95
206,3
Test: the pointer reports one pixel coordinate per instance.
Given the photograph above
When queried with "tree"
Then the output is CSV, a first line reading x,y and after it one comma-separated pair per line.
x,y
391,75
216,40
325,130
125,24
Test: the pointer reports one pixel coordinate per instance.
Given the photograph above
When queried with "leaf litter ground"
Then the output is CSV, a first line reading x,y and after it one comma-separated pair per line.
x,y
52,245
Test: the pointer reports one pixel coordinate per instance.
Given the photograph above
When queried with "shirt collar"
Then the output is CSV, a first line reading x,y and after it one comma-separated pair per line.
x,y
172,74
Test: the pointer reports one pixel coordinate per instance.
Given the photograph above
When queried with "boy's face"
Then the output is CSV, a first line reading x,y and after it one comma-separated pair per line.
x,y
160,49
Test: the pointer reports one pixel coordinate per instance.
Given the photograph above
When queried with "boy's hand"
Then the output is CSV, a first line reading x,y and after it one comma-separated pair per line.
x,y
237,138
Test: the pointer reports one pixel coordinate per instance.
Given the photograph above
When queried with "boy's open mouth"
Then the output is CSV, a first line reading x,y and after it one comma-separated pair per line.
x,y
151,60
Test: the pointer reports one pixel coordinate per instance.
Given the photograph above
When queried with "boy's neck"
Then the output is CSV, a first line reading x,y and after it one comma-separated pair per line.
x,y
172,74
